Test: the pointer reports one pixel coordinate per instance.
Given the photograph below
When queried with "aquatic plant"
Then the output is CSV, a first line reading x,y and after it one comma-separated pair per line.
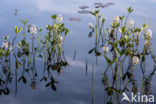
x,y
120,44
18,57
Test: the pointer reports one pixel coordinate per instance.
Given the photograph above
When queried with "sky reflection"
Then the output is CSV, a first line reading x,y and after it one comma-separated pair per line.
x,y
74,86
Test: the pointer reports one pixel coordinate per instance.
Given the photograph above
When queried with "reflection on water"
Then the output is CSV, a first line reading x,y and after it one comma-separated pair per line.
x,y
121,47
23,56
47,72
101,5
83,12
83,7
75,19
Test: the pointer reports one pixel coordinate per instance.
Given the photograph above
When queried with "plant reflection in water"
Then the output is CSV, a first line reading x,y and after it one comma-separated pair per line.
x,y
120,45
122,48
21,55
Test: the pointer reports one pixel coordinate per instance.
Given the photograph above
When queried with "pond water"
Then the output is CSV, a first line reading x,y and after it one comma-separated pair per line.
x,y
75,82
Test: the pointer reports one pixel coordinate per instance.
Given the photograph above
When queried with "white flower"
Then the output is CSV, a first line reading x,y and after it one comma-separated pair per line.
x,y
33,30
116,19
137,33
10,48
135,60
60,38
55,27
148,34
19,45
90,25
105,48
147,42
5,44
59,18
131,22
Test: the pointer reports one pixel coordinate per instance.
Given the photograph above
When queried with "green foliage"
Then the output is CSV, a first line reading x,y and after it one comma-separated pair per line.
x,y
54,17
23,55
24,22
130,10
17,30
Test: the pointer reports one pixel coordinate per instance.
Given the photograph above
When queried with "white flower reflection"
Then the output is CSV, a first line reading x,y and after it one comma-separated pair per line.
x,y
19,45
135,60
137,33
90,25
105,48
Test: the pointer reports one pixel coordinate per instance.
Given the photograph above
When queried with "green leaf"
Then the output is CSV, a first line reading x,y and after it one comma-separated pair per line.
x,y
6,91
108,60
118,51
40,30
47,84
66,31
126,38
22,21
145,26
47,38
53,87
109,42
19,29
121,18
48,27
103,20
16,29
123,29
143,58
23,42
54,17
97,53
91,50
24,79
115,59
130,9
92,13
26,21
16,65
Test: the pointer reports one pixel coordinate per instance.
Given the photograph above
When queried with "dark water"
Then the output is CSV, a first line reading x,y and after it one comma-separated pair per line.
x,y
74,85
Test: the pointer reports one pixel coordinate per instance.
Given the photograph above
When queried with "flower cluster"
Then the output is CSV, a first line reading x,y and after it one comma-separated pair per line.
x,y
5,44
33,30
135,60
148,34
116,19
105,48
131,22
90,25
59,18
